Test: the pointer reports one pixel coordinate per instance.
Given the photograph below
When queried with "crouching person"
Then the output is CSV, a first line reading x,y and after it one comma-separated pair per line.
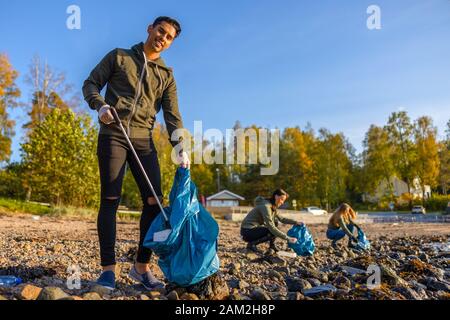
x,y
260,224
341,224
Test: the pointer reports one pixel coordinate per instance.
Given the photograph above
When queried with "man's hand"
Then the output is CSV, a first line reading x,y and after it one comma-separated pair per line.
x,y
183,160
299,224
292,240
105,115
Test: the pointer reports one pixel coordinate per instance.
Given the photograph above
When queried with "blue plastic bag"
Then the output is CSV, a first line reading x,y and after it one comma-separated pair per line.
x,y
189,254
363,243
305,243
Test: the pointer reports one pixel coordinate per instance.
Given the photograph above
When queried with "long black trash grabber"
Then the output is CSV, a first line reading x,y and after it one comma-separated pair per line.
x,y
158,236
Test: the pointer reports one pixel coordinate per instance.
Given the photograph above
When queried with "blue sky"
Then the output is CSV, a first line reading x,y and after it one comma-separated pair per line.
x,y
270,63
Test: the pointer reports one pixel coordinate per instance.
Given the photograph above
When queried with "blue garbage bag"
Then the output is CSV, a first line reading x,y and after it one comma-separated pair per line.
x,y
305,243
189,254
363,243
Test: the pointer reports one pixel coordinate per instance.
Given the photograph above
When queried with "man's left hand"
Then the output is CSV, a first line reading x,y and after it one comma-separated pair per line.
x,y
183,160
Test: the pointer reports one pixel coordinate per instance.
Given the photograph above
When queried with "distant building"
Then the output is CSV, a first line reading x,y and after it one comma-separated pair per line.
x,y
400,188
224,198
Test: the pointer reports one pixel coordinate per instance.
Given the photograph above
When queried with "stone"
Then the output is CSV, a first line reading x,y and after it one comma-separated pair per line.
x,y
173,295
259,294
57,248
314,282
342,282
144,297
212,288
251,256
391,276
154,294
436,285
295,296
52,293
92,296
408,293
320,290
275,275
3,298
297,284
352,271
243,285
189,296
72,298
29,292
100,290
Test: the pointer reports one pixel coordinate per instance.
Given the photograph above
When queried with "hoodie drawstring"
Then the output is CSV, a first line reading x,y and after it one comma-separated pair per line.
x,y
160,81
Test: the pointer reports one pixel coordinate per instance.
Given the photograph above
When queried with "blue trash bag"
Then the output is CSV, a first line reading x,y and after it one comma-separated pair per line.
x,y
305,243
363,243
189,254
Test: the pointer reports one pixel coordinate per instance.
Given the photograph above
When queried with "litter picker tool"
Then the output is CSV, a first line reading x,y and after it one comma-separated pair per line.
x,y
164,234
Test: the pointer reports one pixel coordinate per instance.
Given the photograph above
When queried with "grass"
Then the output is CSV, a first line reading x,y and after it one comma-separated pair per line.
x,y
13,206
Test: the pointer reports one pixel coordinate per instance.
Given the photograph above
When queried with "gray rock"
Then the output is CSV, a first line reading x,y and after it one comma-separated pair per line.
x,y
352,271
297,284
342,282
275,275
314,282
259,294
104,291
52,293
325,289
436,285
173,295
391,276
295,296
408,293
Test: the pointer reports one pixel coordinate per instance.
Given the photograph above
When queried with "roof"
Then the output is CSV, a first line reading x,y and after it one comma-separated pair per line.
x,y
225,195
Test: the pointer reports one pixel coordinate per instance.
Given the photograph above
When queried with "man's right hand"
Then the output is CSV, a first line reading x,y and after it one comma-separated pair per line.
x,y
105,115
292,240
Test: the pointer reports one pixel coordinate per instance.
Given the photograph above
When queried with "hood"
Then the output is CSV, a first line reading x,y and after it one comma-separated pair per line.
x,y
259,200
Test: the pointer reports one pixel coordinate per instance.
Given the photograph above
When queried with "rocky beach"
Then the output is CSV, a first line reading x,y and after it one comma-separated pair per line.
x,y
49,254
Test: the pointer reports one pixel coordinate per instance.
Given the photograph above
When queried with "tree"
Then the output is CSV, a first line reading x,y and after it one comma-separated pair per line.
x,y
332,165
377,158
8,98
60,160
400,132
50,91
427,161
444,159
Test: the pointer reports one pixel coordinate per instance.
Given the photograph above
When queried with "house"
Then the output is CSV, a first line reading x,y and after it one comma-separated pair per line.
x,y
224,198
400,188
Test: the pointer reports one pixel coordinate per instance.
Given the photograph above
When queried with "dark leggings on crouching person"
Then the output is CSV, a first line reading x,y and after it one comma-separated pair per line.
x,y
256,236
113,154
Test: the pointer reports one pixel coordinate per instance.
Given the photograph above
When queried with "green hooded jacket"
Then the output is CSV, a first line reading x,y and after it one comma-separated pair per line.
x,y
138,88
263,215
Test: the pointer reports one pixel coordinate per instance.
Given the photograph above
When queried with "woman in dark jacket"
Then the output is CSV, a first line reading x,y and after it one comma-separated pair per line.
x,y
260,224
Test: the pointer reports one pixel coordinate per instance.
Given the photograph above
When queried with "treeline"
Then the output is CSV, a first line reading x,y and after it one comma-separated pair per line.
x,y
59,164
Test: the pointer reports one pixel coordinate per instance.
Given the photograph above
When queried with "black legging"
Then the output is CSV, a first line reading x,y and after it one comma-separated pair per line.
x,y
255,234
113,153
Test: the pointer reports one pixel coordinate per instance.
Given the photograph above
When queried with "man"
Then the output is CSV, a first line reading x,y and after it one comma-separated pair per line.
x,y
139,84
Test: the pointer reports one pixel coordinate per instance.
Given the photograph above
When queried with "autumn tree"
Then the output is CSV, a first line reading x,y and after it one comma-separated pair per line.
x,y
377,160
427,160
9,93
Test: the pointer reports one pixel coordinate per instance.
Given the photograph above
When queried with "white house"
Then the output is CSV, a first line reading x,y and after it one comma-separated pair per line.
x,y
224,198
400,187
